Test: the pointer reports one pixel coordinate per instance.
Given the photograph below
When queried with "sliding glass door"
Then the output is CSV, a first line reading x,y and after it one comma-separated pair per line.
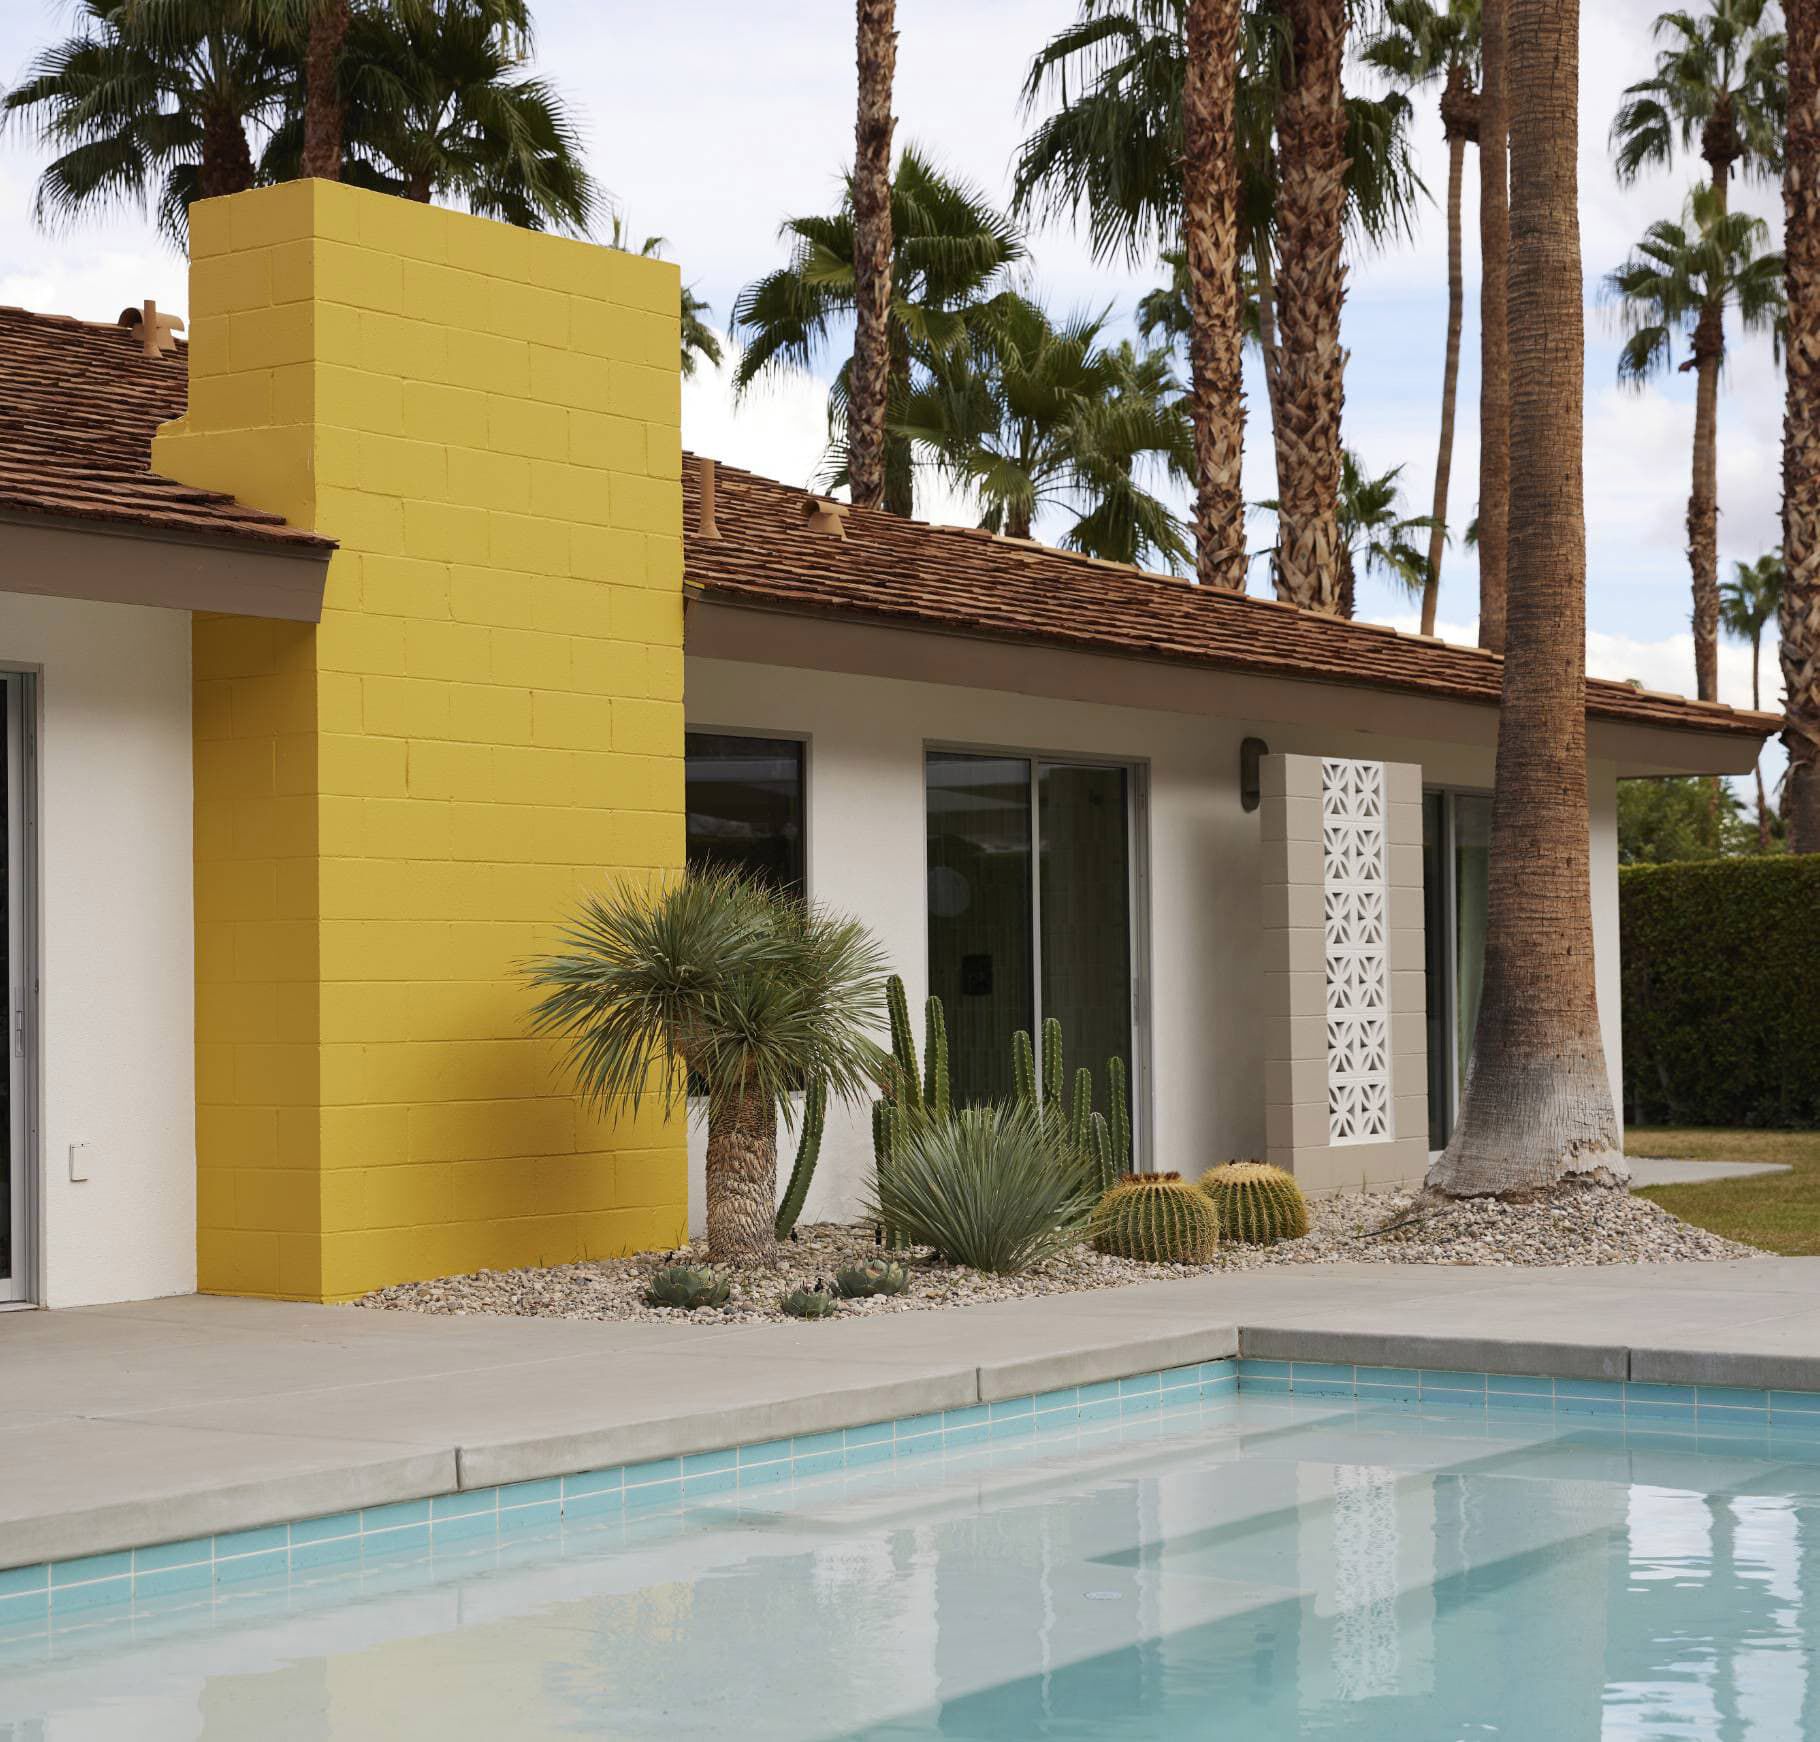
x,y
1456,859
1031,909
15,1127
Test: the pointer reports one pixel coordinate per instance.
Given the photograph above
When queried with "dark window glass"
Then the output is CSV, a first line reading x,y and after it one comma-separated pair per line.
x,y
745,801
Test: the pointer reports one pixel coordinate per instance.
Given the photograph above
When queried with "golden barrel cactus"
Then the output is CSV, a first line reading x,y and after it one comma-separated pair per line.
x,y
1158,1218
1257,1204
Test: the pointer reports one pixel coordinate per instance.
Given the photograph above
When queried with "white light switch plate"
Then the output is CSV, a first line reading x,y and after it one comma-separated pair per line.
x,y
80,1156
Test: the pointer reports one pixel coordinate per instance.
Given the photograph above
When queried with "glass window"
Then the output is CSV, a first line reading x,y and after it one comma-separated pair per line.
x,y
1471,887
1456,866
745,804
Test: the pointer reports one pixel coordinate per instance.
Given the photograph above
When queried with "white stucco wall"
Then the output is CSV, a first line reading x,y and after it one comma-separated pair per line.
x,y
116,944
866,854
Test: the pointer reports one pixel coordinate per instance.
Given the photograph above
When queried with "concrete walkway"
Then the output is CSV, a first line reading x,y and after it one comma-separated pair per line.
x,y
174,1418
1645,1172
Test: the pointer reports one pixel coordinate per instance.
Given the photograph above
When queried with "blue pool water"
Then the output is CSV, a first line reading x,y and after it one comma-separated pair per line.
x,y
1254,1568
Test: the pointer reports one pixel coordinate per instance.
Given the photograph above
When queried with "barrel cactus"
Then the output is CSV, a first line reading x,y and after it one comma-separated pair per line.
x,y
1257,1204
810,1303
1158,1218
874,1276
688,1286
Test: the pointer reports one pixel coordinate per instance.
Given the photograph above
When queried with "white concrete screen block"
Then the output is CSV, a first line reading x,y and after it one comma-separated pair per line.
x,y
1355,907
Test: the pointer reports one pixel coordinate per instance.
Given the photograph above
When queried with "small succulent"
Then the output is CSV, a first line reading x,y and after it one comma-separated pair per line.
x,y
872,1276
688,1286
810,1303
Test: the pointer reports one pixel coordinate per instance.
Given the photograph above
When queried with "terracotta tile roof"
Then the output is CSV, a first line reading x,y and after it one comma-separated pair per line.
x,y
906,572
79,403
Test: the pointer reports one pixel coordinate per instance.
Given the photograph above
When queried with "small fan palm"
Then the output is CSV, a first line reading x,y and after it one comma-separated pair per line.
x,y
747,989
1748,604
1374,536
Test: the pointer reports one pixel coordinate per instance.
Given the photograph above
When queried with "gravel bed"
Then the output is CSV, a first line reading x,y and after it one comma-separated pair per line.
x,y
1585,1225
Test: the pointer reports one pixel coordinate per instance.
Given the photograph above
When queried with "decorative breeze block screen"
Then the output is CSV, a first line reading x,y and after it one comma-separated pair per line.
x,y
1356,955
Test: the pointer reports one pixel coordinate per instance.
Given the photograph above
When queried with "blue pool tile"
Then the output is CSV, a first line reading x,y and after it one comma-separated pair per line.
x,y
608,1500
1537,1402
1325,1372
1052,1424
1387,1375
1576,1404
771,1452
763,1475
879,1433
19,1579
89,1567
25,1608
464,1526
234,1543
1251,1369
1658,1408
1066,1398
976,1415
66,1600
1263,1386
1322,1387
1172,1377
400,1539
198,1576
331,1551
1140,1403
1015,1427
1800,1446
1608,1390
1731,1397
1098,1409
710,1482
323,1529
1436,1379
1214,1389
1227,1369
1388,1391
543,1514
872,1452
708,1463
906,1427
189,1553
1518,1385
1099,1391
608,1481
817,1445
657,1470
270,1563
1794,1424
464,1505
1650,1391
1139,1383
821,1463
1795,1402
1010,1406
391,1516
527,1493
959,1438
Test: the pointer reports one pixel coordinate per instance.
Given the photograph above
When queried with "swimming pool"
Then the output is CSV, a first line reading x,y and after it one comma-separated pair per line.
x,y
1263,1566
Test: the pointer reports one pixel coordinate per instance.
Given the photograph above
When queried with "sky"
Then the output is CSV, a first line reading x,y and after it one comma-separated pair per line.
x,y
709,122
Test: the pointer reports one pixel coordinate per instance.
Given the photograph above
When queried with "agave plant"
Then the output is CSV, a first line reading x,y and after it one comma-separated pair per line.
x,y
993,1187
749,989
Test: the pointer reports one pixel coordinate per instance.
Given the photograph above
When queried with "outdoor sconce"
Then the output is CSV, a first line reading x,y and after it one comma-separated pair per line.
x,y
1252,751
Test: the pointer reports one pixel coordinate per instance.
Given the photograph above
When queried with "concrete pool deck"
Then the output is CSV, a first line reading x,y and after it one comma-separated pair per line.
x,y
156,1420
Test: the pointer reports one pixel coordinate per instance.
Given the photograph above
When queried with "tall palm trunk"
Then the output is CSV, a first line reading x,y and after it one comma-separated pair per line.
x,y
741,1181
1494,335
1265,263
1703,500
1311,286
227,160
871,379
1756,702
322,110
1456,122
1210,233
1799,616
1538,1106
900,457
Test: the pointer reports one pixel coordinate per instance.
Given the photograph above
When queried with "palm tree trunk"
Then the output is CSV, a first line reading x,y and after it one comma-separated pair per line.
x,y
1210,233
1538,1108
322,112
1311,206
900,457
1799,615
871,377
227,161
1450,374
1494,315
1703,501
742,1181
1756,702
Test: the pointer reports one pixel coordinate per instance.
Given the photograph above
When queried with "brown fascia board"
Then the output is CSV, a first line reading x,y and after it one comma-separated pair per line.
x,y
68,557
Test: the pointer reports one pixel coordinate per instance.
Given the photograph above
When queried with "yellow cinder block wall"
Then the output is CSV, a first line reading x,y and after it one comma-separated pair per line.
x,y
396,807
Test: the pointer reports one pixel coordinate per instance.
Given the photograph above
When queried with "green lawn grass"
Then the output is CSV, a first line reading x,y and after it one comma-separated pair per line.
x,y
1777,1211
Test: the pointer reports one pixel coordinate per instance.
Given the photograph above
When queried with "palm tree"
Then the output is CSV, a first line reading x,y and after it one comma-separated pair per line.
x,y
152,102
1683,277
1210,233
324,112
435,105
748,990
1419,44
1112,150
1491,524
1374,536
1718,79
1799,620
1748,603
950,252
870,390
1537,1108
1035,414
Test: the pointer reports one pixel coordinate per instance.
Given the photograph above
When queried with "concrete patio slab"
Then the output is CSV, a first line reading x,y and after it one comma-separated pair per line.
x,y
153,1420
1645,1171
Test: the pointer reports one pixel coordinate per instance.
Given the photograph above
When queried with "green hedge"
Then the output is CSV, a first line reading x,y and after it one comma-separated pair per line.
x,y
1722,992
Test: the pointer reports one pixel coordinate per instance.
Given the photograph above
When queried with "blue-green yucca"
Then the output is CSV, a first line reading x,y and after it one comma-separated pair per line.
x,y
750,989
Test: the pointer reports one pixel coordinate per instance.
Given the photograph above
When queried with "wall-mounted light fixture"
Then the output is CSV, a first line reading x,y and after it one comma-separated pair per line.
x,y
1252,752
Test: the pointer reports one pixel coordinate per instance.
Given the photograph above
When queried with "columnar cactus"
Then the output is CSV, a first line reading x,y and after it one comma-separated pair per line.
x,y
688,1286
1052,1074
1119,1115
1081,1109
1106,1168
936,1096
1256,1203
1023,1070
808,1152
907,1083
1158,1218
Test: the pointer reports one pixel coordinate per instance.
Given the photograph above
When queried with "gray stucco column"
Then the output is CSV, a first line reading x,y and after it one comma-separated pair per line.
x,y
1344,1004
